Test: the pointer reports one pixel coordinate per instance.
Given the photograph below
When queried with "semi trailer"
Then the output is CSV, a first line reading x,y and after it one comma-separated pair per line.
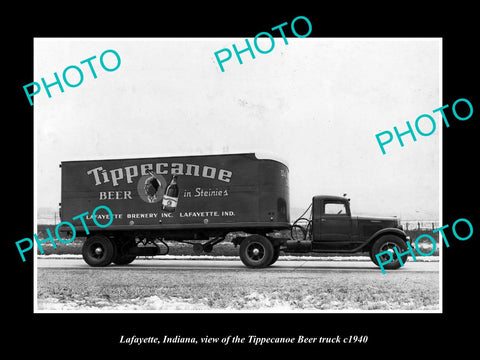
x,y
204,199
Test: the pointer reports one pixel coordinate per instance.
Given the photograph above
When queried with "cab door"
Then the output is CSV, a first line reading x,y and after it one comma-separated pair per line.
x,y
332,223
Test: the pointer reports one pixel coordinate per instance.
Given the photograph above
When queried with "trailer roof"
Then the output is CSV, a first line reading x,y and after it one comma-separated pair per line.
x,y
258,156
270,156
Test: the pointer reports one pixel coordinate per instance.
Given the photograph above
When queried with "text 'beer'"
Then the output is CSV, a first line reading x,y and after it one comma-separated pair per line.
x,y
170,198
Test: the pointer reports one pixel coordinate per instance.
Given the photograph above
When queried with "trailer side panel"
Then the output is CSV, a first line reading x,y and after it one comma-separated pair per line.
x,y
214,191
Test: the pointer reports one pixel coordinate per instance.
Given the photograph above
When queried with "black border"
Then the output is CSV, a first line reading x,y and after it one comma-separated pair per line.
x,y
87,334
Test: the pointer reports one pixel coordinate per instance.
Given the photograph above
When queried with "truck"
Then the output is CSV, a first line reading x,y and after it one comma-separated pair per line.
x,y
202,200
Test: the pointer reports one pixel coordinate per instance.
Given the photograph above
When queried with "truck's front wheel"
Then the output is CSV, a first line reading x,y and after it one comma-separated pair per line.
x,y
98,250
387,243
256,251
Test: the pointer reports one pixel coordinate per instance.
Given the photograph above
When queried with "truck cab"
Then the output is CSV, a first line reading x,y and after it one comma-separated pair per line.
x,y
332,228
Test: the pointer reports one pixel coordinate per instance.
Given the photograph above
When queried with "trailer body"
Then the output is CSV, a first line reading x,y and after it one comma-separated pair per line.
x,y
233,192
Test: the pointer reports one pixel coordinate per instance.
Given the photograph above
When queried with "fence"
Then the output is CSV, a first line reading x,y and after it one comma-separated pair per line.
x,y
420,224
48,219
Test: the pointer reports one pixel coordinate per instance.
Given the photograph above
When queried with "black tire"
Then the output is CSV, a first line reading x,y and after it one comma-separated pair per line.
x,y
276,254
124,259
121,256
98,250
256,251
387,243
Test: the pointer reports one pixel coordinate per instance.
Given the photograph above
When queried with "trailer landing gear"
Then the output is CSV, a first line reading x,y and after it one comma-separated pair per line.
x,y
206,247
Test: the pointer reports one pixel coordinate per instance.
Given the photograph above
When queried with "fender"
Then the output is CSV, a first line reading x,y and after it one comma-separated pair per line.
x,y
385,231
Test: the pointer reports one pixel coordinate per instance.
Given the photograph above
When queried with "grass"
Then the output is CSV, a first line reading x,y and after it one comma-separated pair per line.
x,y
161,289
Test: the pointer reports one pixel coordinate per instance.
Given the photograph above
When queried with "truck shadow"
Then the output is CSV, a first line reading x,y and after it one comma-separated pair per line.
x,y
238,266
325,267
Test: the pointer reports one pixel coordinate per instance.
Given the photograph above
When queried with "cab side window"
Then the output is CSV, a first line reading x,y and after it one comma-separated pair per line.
x,y
335,208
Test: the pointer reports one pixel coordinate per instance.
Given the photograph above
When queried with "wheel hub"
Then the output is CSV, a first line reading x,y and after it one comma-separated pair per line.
x,y
98,251
390,248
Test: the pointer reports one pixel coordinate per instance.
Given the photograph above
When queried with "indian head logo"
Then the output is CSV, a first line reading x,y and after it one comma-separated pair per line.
x,y
152,185
153,188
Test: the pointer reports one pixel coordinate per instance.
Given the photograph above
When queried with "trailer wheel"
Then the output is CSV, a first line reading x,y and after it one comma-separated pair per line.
x,y
256,251
121,256
124,259
276,254
98,250
388,243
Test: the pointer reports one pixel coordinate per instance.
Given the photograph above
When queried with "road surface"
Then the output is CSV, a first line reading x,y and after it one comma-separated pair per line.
x,y
307,265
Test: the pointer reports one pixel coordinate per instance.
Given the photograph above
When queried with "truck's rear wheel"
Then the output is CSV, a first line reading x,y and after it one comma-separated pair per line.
x,y
121,254
98,250
388,243
256,251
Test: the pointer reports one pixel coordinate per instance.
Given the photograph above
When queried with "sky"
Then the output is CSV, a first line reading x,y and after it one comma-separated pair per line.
x,y
315,104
